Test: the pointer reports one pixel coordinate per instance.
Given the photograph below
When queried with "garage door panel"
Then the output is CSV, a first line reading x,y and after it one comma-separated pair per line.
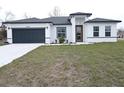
x,y
29,35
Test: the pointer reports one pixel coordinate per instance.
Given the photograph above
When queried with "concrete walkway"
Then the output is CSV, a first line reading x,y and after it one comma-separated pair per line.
x,y
13,51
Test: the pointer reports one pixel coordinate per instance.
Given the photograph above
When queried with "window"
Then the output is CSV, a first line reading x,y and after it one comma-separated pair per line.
x,y
96,31
107,31
61,32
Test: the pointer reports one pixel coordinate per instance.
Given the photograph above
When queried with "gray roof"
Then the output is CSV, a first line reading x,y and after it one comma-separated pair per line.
x,y
53,20
28,20
81,13
57,20
95,20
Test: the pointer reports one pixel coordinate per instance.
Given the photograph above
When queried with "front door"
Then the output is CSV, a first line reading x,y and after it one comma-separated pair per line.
x,y
79,33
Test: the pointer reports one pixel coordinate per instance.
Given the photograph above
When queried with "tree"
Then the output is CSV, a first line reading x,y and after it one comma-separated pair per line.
x,y
120,29
26,15
55,12
120,33
9,16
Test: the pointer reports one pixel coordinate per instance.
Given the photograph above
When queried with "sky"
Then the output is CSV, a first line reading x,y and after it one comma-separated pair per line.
x,y
111,9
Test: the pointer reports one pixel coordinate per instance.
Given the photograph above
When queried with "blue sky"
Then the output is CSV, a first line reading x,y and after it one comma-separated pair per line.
x,y
112,9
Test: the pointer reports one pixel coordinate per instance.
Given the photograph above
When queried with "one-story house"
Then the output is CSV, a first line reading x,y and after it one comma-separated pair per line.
x,y
75,28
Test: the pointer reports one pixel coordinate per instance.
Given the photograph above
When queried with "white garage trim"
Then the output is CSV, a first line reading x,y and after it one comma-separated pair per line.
x,y
11,26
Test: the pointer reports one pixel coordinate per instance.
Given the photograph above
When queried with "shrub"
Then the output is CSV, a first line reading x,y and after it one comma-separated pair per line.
x,y
61,39
3,34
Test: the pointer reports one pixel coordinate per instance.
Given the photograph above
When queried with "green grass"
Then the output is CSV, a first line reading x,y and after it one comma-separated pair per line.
x,y
82,65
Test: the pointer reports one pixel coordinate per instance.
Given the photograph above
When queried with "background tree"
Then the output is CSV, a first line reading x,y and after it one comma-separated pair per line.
x,y
120,33
56,12
9,16
5,17
26,15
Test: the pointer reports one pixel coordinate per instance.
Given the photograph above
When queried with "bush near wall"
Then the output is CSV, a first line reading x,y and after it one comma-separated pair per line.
x,y
3,34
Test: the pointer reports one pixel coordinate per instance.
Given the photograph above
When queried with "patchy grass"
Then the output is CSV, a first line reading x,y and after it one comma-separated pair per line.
x,y
82,65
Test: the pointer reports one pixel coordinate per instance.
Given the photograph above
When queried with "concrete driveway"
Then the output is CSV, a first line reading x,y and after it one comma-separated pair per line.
x,y
13,51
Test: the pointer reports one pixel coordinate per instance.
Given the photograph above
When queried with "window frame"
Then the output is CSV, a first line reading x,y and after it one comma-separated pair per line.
x,y
107,31
95,31
61,32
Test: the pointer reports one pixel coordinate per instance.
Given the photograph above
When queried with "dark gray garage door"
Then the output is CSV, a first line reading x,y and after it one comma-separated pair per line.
x,y
32,35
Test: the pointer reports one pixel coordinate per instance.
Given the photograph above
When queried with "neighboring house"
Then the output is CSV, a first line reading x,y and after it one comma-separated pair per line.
x,y
74,28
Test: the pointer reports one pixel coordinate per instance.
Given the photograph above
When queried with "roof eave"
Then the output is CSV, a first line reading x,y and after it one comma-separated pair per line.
x,y
88,14
63,24
102,21
22,22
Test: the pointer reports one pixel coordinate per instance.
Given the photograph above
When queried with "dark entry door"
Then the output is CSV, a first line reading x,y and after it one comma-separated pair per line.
x,y
32,35
79,33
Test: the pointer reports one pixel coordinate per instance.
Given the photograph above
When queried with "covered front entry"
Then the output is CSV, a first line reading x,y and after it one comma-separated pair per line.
x,y
79,33
28,35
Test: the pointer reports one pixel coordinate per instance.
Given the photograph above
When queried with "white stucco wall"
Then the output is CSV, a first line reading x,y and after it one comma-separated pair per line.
x,y
31,25
89,32
50,31
78,20
68,32
9,35
73,30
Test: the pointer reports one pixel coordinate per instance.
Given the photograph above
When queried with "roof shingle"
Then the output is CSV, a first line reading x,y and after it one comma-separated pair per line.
x,y
95,20
54,20
57,20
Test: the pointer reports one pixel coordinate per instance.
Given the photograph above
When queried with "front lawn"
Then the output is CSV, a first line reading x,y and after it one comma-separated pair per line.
x,y
82,65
